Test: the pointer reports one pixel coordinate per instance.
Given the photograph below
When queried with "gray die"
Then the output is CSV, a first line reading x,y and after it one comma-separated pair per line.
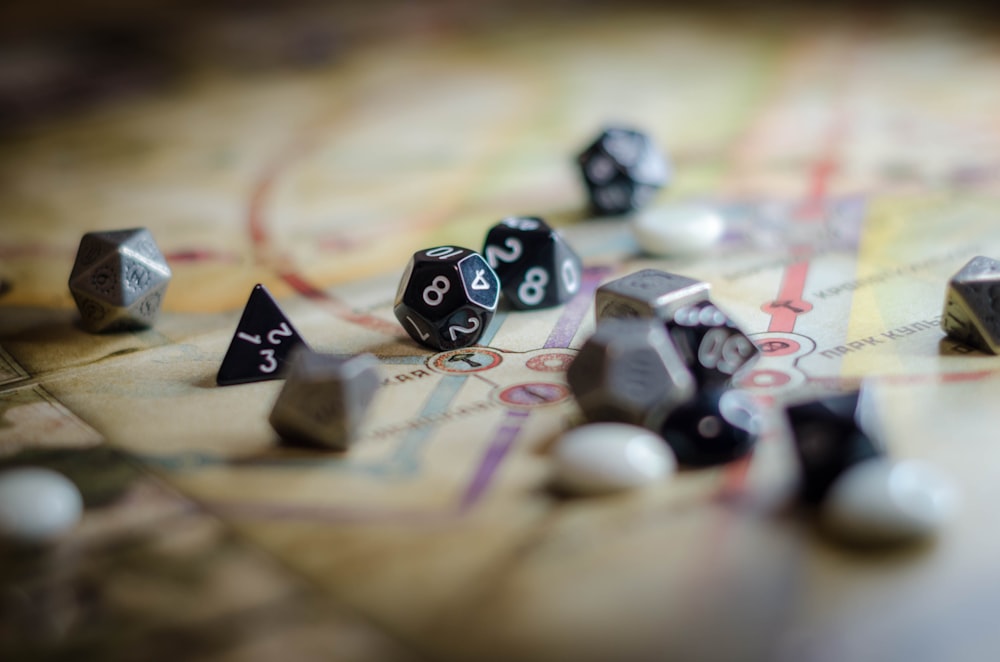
x,y
648,293
630,371
972,305
325,398
118,280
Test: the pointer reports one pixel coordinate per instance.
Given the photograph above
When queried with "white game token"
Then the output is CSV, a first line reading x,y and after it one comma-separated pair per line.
x,y
678,229
599,458
37,505
881,501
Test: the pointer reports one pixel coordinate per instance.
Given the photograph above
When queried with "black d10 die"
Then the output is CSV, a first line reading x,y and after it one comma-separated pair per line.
x,y
712,345
447,297
536,266
717,426
828,441
622,170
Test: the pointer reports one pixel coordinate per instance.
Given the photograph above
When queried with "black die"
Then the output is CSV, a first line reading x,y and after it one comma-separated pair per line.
x,y
536,267
717,426
447,297
713,347
828,441
622,170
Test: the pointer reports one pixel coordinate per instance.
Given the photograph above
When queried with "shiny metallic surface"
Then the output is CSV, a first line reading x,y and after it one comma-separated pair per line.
x,y
325,399
972,305
648,293
118,280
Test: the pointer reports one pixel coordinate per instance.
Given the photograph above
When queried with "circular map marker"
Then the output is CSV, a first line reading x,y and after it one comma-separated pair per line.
x,y
553,362
467,359
536,394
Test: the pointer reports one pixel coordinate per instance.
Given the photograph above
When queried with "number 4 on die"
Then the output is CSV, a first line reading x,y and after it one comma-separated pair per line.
x,y
264,339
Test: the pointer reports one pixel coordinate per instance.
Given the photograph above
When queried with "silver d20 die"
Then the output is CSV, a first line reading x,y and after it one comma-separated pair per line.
x,y
325,398
647,293
118,280
630,371
972,305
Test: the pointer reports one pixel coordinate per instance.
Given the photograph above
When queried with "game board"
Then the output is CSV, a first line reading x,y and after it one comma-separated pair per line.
x,y
855,159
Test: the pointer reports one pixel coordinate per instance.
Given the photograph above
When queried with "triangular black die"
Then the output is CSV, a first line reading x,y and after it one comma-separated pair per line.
x,y
263,341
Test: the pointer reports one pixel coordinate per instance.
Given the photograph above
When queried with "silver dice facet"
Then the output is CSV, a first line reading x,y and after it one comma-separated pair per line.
x,y
325,397
118,280
972,305
648,293
630,371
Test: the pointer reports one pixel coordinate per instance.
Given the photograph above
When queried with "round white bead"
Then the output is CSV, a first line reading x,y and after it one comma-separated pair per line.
x,y
880,501
37,505
686,229
599,458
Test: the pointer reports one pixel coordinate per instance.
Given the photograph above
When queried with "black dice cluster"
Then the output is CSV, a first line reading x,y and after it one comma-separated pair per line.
x,y
448,295
685,351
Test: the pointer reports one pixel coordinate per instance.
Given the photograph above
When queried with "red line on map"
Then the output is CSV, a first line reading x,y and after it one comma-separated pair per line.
x,y
787,307
257,227
337,307
198,255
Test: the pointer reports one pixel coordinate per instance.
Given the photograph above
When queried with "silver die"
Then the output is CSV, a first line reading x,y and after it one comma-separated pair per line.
x,y
972,305
648,293
118,280
325,399
629,371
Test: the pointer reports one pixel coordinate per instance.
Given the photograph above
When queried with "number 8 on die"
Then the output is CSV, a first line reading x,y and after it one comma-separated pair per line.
x,y
447,297
536,267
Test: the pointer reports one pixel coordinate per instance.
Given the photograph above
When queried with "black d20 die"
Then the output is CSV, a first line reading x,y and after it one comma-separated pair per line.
x,y
622,169
713,347
447,297
536,267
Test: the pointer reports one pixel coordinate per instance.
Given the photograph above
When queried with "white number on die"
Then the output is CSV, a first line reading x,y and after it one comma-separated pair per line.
x,y
434,293
455,329
275,336
570,276
723,351
443,252
495,254
270,363
532,289
423,336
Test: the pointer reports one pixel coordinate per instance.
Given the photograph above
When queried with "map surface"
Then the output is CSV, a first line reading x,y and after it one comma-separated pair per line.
x,y
855,158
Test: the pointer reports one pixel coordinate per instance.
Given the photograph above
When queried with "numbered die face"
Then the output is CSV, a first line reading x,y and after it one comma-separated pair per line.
x,y
629,372
622,170
536,267
713,347
447,297
647,293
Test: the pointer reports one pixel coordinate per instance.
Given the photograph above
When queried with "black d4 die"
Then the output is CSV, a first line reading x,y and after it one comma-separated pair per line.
x,y
536,267
447,297
622,169
713,347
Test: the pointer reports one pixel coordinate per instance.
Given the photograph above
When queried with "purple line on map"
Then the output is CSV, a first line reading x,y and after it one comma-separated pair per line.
x,y
502,441
568,323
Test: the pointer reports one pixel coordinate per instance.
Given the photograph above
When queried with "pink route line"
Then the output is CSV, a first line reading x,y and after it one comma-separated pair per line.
x,y
259,236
